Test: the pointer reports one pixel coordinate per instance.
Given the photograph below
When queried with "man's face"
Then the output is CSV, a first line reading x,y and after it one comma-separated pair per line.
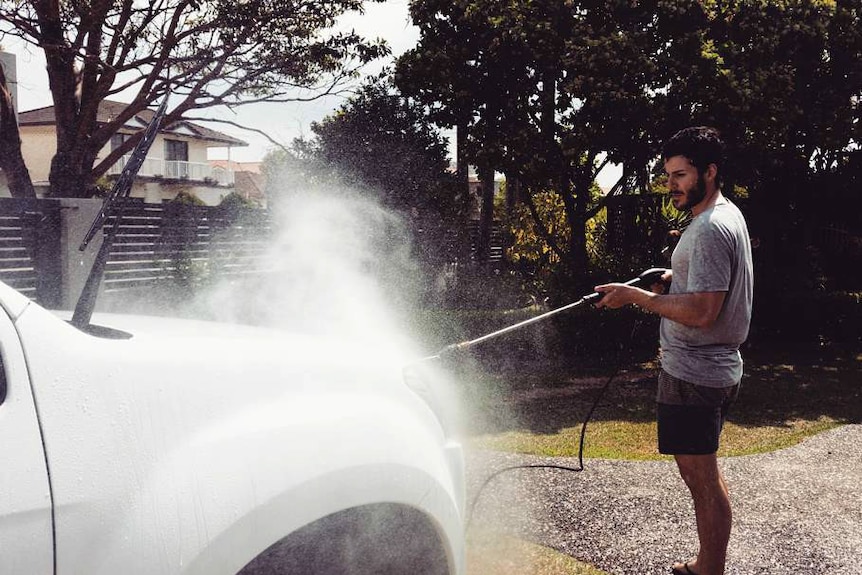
x,y
687,188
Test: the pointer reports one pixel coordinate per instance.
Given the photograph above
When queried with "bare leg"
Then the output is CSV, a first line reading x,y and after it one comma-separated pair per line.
x,y
711,509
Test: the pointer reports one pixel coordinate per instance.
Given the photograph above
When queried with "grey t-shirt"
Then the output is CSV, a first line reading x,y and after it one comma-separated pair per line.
x,y
713,254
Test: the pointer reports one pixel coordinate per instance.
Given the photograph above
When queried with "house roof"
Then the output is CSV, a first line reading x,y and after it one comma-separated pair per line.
x,y
248,179
251,167
109,109
250,185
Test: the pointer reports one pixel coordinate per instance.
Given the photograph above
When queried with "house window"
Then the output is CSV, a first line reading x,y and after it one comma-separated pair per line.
x,y
176,151
118,140
176,159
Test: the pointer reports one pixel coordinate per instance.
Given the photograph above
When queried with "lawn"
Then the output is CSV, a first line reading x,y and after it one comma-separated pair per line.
x,y
785,397
489,553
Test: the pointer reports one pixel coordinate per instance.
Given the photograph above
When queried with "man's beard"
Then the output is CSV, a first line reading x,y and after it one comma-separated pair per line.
x,y
695,195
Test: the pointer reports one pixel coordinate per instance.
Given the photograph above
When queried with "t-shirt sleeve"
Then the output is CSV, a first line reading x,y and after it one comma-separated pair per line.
x,y
710,267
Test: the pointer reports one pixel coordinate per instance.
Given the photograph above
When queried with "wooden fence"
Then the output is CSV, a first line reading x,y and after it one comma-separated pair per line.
x,y
455,242
29,240
166,246
156,246
182,245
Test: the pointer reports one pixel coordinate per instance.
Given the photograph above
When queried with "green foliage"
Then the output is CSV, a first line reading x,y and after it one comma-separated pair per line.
x,y
381,145
288,172
101,187
187,198
385,143
526,245
530,253
543,88
236,201
190,275
805,316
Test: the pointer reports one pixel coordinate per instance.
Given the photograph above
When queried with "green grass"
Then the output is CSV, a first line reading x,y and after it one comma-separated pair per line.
x,y
786,396
491,553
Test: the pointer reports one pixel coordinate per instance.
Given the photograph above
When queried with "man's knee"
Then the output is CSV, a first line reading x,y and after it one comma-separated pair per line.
x,y
700,472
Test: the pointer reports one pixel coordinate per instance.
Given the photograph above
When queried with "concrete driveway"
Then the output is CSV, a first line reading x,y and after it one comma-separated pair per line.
x,y
796,511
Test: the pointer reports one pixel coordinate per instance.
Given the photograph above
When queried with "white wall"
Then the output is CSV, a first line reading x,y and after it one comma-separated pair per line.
x,y
10,69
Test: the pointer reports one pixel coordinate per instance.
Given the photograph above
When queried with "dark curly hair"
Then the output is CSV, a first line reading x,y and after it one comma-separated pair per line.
x,y
702,145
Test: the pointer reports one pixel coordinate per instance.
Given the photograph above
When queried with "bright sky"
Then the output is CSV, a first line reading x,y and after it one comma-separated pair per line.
x,y
284,122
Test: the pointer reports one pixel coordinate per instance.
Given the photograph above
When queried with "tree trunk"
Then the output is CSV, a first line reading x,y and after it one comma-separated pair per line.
x,y
486,216
462,168
11,159
73,161
513,192
70,175
580,190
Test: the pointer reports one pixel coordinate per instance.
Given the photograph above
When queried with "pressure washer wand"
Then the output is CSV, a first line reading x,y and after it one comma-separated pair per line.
x,y
647,278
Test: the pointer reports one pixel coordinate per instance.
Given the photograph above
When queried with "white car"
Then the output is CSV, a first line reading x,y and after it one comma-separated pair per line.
x,y
163,446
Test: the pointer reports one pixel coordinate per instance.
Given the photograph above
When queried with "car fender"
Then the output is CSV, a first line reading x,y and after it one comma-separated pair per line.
x,y
268,485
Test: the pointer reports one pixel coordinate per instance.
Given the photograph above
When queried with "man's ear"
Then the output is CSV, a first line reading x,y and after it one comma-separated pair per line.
x,y
711,173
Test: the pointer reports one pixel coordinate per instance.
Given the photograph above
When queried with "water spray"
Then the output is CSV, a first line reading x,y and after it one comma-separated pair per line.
x,y
644,280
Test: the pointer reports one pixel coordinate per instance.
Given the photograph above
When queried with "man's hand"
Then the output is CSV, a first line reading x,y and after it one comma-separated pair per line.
x,y
662,286
617,295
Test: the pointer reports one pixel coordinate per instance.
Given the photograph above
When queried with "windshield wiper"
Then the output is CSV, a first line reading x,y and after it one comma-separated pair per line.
x,y
113,206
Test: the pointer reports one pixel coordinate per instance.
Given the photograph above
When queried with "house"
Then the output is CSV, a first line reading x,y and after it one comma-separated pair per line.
x,y
475,186
249,181
9,65
177,161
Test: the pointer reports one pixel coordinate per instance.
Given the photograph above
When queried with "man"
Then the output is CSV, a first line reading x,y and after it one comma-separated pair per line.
x,y
705,318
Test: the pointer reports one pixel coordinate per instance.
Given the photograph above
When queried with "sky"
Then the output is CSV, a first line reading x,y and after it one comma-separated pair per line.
x,y
284,122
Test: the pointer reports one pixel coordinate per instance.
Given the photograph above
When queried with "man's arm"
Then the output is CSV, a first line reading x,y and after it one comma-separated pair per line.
x,y
699,309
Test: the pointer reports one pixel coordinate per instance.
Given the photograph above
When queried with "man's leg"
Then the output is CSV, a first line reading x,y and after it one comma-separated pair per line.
x,y
712,511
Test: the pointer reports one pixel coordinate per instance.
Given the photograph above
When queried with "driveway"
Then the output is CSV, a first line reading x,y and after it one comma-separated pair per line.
x,y
796,511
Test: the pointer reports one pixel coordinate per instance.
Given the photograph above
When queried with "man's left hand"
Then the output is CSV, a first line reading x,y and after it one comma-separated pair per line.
x,y
616,295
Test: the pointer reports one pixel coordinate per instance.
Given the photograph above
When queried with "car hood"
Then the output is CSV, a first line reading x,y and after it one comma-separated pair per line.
x,y
186,377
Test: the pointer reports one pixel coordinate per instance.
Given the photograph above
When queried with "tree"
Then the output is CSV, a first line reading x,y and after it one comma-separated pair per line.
x,y
552,87
11,160
556,87
784,82
381,146
438,72
203,53
386,143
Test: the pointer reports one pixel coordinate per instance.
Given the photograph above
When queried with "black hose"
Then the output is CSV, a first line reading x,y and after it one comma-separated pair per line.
x,y
580,466
577,469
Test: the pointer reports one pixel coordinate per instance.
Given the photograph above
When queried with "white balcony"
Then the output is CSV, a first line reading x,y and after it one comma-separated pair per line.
x,y
177,170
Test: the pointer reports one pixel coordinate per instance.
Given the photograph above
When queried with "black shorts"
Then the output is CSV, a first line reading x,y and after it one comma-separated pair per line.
x,y
690,417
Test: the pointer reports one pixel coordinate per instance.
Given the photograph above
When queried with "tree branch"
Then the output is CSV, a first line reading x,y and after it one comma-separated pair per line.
x,y
242,127
540,226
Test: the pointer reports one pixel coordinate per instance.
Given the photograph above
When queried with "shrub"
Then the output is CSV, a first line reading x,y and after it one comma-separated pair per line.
x,y
235,201
808,317
187,198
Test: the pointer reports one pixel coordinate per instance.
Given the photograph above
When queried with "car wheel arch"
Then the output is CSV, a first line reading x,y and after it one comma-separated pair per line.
x,y
378,539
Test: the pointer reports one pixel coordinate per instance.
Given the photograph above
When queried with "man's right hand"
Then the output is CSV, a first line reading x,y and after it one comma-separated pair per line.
x,y
663,286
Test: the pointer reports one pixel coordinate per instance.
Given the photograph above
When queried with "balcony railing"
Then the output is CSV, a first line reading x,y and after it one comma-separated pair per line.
x,y
177,170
